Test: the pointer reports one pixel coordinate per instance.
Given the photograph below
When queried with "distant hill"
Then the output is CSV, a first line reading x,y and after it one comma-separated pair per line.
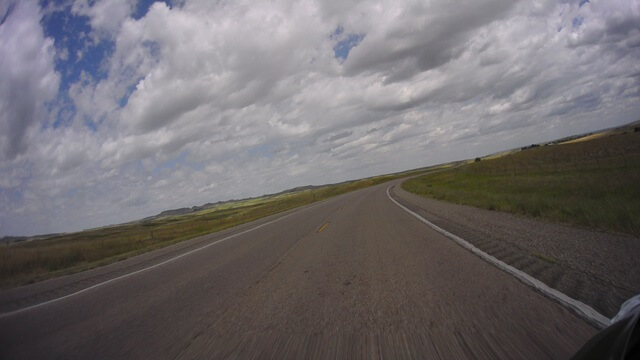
x,y
298,189
13,239
186,210
193,209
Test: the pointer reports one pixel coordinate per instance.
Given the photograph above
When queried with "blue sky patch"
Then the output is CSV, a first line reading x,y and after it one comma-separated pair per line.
x,y
90,124
144,5
338,31
577,22
125,99
345,42
67,111
343,47
77,50
81,56
142,8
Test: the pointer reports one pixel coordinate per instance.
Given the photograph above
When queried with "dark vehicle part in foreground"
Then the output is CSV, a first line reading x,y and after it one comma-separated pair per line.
x,y
618,341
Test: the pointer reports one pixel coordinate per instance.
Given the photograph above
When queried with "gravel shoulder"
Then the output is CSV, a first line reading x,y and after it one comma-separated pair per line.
x,y
600,269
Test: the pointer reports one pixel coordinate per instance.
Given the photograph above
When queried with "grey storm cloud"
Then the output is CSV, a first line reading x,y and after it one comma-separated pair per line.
x,y
422,37
240,98
27,76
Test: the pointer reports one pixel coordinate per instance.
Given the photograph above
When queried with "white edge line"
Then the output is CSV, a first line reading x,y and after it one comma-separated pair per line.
x,y
14,312
583,310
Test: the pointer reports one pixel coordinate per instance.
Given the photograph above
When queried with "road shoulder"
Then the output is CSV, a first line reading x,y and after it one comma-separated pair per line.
x,y
599,269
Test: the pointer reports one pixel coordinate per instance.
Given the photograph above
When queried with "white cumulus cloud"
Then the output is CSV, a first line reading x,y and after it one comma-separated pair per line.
x,y
28,79
204,101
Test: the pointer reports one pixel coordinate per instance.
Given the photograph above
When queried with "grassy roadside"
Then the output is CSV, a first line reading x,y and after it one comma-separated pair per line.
x,y
592,183
28,262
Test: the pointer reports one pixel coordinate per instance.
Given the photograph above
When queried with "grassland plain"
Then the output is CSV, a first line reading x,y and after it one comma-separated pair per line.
x,y
591,183
31,261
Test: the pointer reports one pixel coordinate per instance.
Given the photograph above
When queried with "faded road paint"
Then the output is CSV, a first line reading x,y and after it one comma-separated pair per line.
x,y
323,227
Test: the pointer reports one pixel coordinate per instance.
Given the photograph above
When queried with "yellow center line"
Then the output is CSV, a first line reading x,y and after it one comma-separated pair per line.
x,y
323,227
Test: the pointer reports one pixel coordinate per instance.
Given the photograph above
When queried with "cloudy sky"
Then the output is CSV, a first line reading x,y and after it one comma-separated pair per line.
x,y
113,110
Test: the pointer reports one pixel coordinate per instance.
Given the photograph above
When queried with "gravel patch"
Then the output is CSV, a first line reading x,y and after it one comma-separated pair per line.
x,y
598,268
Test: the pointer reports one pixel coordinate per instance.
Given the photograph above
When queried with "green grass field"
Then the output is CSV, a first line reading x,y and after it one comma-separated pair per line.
x,y
27,262
593,183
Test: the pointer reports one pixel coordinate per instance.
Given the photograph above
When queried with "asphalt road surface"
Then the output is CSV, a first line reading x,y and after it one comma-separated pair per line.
x,y
351,277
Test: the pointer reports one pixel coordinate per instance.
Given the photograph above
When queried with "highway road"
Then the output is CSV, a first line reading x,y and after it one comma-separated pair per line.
x,y
351,277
